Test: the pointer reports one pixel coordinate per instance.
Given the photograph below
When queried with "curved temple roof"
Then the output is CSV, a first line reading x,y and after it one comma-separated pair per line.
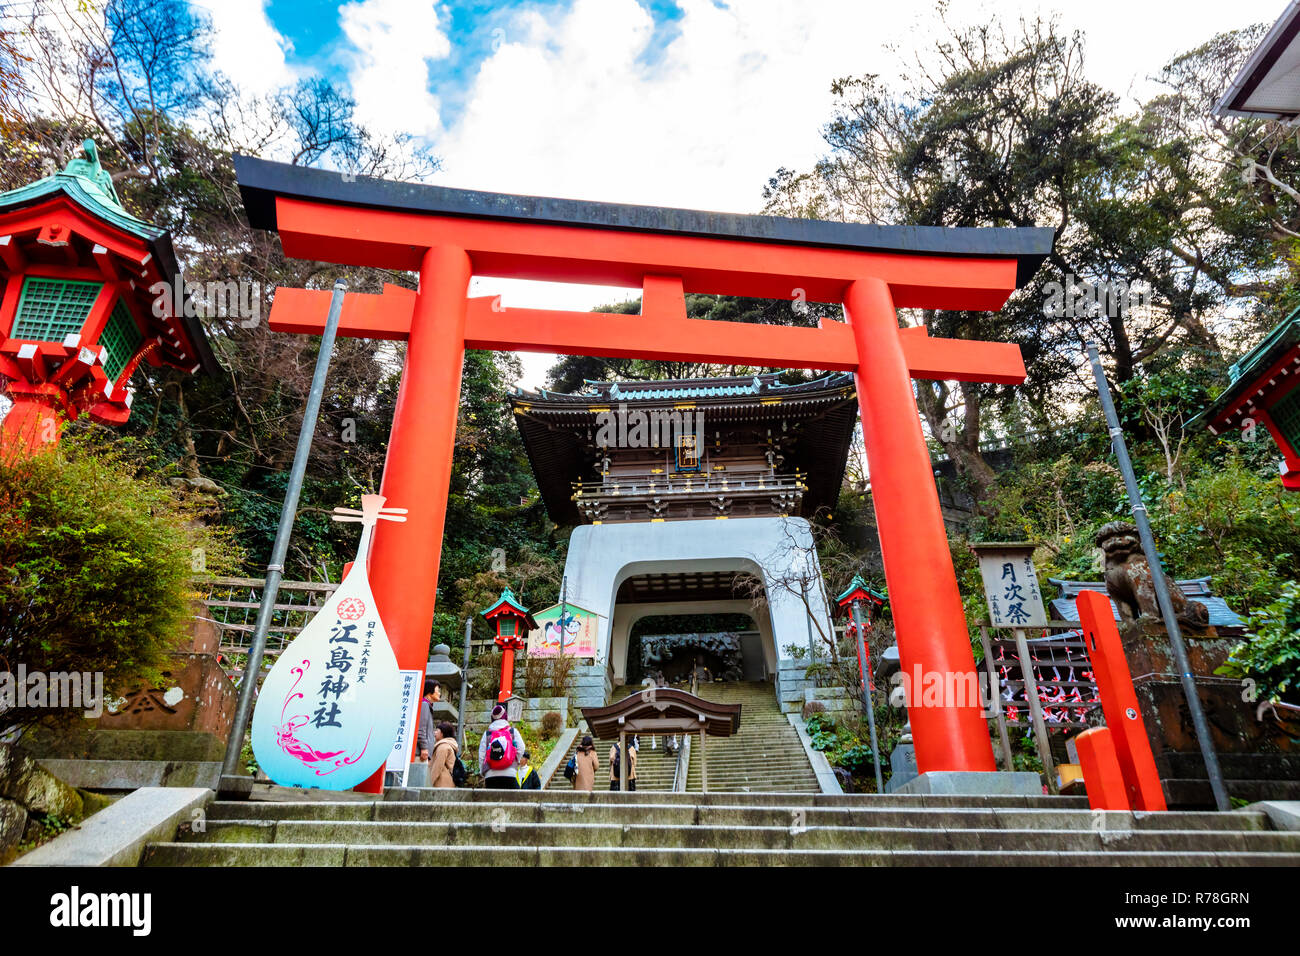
x,y
651,710
86,183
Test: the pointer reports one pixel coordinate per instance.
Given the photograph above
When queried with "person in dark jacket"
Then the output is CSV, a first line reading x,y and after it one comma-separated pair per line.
x,y
424,727
526,774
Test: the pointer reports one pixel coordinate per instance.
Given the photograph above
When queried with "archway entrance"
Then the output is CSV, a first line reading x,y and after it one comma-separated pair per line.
x,y
667,648
451,235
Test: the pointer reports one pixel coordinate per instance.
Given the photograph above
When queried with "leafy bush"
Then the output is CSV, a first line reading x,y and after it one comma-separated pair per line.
x,y
813,707
96,569
489,683
1270,656
552,724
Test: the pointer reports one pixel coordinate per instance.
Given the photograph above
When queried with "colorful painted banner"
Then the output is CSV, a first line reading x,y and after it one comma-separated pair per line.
x,y
578,632
329,710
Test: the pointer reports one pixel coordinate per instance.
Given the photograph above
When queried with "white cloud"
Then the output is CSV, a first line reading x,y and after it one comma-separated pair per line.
x,y
392,43
247,47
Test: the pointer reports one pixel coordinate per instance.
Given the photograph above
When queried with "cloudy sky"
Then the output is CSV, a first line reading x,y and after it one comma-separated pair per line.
x,y
691,103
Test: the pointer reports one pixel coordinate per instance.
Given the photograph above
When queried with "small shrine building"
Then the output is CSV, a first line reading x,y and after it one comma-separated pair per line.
x,y
680,488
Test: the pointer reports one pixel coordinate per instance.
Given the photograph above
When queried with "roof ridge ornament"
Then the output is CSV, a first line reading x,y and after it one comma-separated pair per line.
x,y
99,180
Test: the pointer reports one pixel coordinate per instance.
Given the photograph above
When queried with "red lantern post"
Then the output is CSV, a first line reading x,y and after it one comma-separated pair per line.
x,y
512,623
89,292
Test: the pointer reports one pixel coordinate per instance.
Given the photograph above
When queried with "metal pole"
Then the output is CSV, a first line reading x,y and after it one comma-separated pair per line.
x,y
464,685
812,652
867,703
1035,707
1162,592
288,512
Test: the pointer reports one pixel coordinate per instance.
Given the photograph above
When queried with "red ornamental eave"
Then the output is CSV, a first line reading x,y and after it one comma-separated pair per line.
x,y
58,239
1262,392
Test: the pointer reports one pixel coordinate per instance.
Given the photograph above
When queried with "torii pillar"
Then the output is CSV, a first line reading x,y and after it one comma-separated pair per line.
x,y
450,235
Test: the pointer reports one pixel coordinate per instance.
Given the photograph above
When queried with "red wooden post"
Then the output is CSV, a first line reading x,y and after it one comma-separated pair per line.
x,y
1119,702
417,471
1102,774
928,613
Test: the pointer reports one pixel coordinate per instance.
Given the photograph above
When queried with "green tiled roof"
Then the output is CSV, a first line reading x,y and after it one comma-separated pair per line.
x,y
1254,363
89,186
507,598
857,584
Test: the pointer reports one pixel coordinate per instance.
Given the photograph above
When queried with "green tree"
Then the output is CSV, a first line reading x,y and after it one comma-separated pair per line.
x,y
95,568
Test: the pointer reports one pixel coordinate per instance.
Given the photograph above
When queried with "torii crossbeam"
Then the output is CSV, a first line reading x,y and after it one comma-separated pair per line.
x,y
449,235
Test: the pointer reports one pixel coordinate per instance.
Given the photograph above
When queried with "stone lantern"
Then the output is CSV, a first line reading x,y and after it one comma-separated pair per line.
x,y
81,307
512,622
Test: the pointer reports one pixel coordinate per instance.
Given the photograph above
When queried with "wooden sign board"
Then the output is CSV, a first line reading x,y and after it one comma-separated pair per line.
x,y
1011,584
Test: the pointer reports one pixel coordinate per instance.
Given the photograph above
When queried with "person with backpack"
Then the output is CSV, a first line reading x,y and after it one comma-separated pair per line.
x,y
583,766
446,756
498,752
615,765
526,775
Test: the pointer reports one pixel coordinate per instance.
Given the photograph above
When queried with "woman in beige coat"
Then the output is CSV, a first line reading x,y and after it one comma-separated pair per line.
x,y
444,756
587,764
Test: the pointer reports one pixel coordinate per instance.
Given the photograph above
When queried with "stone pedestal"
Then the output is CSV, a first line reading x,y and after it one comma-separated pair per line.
x,y
902,762
1258,758
173,734
196,695
970,783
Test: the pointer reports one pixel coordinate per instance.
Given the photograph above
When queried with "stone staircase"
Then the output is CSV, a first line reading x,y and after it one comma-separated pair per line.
x,y
502,828
654,767
764,757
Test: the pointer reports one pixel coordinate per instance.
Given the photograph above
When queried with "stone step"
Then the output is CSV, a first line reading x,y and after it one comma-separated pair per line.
x,y
793,835
286,854
733,811
886,800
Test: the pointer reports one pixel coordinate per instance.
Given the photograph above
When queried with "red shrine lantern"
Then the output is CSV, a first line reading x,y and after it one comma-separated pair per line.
x,y
867,600
79,309
512,623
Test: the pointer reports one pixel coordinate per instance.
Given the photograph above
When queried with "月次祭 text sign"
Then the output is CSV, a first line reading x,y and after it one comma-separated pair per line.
x,y
576,631
331,707
1011,585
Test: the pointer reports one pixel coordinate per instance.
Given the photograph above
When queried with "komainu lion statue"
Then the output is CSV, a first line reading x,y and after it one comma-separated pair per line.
x,y
1130,584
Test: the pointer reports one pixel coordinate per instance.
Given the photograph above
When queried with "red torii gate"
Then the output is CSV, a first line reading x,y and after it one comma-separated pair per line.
x,y
450,235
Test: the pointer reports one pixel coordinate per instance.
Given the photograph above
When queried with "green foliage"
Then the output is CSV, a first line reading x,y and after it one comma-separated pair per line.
x,y
97,567
1270,655
844,746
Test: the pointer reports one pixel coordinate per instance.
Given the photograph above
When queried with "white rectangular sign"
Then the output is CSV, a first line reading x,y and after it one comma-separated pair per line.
x,y
1011,586
412,685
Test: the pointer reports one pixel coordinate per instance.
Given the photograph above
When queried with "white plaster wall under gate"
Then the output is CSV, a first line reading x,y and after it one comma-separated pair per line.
x,y
601,557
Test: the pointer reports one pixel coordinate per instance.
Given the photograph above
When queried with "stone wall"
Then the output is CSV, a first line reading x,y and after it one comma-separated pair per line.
x,y
29,795
589,686
794,689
